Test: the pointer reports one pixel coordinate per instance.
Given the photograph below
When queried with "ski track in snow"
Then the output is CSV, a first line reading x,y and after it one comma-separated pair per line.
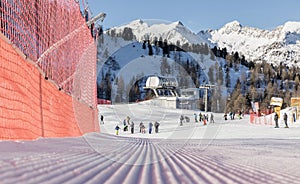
x,y
104,158
224,152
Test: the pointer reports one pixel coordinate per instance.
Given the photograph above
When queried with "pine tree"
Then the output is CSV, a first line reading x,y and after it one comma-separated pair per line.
x,y
240,103
229,59
201,58
284,75
120,90
187,66
228,79
106,53
231,105
160,42
254,93
166,51
286,99
178,44
144,45
212,56
220,78
127,34
150,49
268,94
130,96
134,92
211,74
206,49
108,85
217,103
112,33
164,66
297,82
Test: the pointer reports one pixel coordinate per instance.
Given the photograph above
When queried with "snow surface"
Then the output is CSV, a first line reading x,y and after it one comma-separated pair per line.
x,y
231,151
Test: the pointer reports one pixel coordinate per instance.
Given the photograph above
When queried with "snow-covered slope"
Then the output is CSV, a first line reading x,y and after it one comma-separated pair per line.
x,y
224,152
172,31
279,45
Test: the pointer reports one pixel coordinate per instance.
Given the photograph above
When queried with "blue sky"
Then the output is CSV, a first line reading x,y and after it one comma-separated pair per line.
x,y
199,14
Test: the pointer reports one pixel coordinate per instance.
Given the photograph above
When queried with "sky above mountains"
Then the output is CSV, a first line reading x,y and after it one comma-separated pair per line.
x,y
199,14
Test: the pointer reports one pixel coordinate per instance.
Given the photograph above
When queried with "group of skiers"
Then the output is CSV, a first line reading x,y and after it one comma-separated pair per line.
x,y
203,118
127,123
233,115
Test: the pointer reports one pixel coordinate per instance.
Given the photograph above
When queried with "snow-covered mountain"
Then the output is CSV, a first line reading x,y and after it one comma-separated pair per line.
x,y
281,44
151,29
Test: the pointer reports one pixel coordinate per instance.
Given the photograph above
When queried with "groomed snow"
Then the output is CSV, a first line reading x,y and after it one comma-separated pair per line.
x,y
232,151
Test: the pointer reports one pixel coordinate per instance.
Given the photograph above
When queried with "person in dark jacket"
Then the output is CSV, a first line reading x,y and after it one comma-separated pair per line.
x,y
225,116
141,126
285,117
102,119
156,125
212,118
117,128
125,126
150,127
181,120
195,116
276,120
132,127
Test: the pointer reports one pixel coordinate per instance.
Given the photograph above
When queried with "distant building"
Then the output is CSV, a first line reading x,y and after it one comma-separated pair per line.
x,y
163,91
295,102
189,98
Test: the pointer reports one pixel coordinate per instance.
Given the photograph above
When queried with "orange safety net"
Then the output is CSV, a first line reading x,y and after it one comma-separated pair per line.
x,y
54,34
40,41
261,120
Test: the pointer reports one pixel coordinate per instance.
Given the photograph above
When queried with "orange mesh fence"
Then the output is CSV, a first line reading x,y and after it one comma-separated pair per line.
x,y
52,33
41,40
261,120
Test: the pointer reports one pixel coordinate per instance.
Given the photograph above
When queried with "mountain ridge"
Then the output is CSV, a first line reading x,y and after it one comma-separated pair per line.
x,y
280,45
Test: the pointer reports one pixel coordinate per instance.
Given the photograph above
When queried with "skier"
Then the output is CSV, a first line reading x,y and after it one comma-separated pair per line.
x,y
181,120
132,127
128,119
156,125
101,119
195,115
143,128
141,125
200,117
225,116
212,118
231,115
117,128
276,120
285,117
150,127
204,120
125,125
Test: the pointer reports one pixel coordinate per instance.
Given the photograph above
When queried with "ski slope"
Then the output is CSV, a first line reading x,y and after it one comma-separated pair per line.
x,y
231,151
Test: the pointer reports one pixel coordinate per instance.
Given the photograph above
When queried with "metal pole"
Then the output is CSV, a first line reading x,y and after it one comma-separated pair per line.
x,y
205,100
206,87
